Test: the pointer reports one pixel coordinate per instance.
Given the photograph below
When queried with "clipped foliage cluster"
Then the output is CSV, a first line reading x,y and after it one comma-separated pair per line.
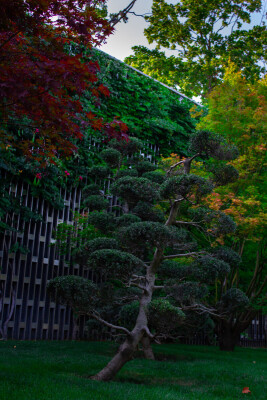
x,y
114,263
173,270
103,221
82,252
223,174
149,233
147,212
207,144
227,255
209,269
154,176
98,172
185,185
188,292
134,189
145,166
163,316
96,202
234,299
75,291
111,156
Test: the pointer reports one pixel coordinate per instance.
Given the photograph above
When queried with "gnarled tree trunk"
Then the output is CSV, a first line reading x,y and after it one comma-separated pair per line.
x,y
147,349
228,337
140,332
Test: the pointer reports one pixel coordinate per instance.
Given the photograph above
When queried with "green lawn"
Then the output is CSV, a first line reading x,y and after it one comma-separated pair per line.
x,y
61,370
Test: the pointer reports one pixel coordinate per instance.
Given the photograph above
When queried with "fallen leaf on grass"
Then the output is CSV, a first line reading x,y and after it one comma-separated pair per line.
x,y
246,390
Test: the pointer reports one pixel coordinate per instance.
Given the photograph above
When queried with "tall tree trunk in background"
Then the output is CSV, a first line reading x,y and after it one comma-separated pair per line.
x,y
228,336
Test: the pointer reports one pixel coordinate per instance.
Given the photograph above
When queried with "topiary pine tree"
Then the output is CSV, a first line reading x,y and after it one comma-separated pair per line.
x,y
155,269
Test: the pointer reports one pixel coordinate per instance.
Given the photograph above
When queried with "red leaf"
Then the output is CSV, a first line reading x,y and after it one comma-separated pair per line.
x,y
246,390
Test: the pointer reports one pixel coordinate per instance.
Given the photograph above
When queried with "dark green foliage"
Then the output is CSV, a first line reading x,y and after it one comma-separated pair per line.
x,y
209,269
147,213
78,292
188,292
130,147
98,172
111,156
228,255
218,223
134,189
127,219
114,263
223,174
185,185
92,189
103,221
127,172
95,202
154,176
149,233
82,253
152,112
145,166
173,270
224,225
207,144
164,317
234,299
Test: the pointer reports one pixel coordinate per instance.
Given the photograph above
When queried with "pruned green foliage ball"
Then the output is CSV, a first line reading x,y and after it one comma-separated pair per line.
x,y
112,157
148,233
127,219
234,299
147,212
163,316
78,292
185,185
154,176
103,221
90,190
99,172
209,269
134,189
145,166
95,202
114,263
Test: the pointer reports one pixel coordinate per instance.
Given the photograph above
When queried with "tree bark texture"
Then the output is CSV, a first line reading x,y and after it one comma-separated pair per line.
x,y
147,349
228,336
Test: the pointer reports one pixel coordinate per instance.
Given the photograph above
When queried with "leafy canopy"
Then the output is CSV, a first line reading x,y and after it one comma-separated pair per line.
x,y
203,35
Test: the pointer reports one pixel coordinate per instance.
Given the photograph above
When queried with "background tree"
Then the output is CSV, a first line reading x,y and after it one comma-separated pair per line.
x,y
237,110
204,37
134,250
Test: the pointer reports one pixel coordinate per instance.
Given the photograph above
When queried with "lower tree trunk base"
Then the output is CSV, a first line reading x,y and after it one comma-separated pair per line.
x,y
147,349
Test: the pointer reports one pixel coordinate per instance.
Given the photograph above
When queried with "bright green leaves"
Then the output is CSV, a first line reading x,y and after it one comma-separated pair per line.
x,y
204,35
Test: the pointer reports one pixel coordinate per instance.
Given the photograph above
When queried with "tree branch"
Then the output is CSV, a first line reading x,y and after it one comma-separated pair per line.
x,y
109,325
192,254
122,15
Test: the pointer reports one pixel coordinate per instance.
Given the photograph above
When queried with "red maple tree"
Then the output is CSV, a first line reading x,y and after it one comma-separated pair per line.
x,y
41,79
